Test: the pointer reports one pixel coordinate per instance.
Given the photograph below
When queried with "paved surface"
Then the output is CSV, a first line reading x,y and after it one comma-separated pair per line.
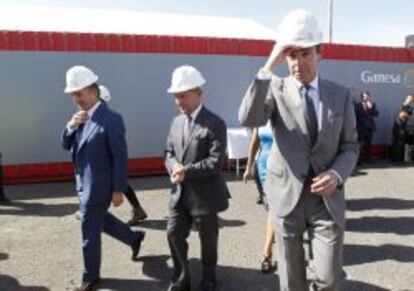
x,y
40,237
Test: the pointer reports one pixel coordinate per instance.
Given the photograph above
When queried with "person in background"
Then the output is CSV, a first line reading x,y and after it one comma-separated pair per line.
x,y
400,131
366,112
138,213
260,144
95,136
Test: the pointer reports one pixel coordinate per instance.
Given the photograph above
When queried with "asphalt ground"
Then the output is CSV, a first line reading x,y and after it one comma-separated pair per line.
x,y
40,237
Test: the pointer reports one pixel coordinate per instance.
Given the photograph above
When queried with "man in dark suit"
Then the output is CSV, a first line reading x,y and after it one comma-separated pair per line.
x,y
365,112
313,122
96,136
195,149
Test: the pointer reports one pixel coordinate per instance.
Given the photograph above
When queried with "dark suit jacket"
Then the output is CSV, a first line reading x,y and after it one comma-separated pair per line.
x,y
204,190
100,157
365,119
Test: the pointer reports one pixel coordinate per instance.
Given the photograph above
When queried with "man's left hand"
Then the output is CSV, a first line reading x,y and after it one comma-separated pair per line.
x,y
178,174
117,198
324,184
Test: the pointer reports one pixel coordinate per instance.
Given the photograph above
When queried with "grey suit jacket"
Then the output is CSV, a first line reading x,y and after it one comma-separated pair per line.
x,y
204,189
291,156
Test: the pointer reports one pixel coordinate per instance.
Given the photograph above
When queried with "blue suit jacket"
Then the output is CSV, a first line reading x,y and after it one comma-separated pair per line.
x,y
100,157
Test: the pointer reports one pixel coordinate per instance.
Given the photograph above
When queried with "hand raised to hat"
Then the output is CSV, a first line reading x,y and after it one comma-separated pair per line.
x,y
77,119
276,58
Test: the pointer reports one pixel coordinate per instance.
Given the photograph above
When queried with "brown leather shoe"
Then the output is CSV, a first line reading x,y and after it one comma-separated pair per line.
x,y
138,215
86,286
136,246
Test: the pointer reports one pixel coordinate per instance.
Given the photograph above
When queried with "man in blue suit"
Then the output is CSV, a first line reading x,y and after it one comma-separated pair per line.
x,y
96,136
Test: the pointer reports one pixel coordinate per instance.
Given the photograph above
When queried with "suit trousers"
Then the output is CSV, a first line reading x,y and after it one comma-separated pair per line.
x,y
178,230
96,219
132,197
326,243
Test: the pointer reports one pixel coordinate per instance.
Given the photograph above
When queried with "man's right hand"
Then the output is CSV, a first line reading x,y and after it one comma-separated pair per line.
x,y
277,57
77,119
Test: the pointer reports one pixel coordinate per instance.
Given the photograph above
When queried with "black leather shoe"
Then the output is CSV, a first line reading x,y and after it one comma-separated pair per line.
x,y
87,286
136,246
207,285
138,215
4,200
177,287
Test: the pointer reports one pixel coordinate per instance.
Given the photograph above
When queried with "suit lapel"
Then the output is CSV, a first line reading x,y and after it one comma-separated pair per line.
x,y
324,98
92,125
296,105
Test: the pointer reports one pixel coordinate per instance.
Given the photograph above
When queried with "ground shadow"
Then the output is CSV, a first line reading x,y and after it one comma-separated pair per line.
x,y
351,285
114,284
3,256
380,224
67,189
229,278
158,182
161,224
384,164
357,172
379,203
39,209
8,283
40,190
145,183
360,254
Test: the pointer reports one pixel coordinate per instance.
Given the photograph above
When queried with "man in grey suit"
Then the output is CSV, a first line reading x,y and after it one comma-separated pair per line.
x,y
195,149
313,121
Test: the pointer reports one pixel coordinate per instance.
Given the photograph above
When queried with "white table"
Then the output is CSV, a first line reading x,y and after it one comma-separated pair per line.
x,y
238,140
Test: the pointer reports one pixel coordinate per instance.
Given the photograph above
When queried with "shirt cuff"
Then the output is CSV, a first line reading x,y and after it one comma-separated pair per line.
x,y
70,130
340,180
264,74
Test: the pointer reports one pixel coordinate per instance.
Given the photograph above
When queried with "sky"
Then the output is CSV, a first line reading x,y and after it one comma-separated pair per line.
x,y
376,22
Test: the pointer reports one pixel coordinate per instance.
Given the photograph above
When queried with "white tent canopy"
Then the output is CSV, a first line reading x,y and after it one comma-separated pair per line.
x,y
64,19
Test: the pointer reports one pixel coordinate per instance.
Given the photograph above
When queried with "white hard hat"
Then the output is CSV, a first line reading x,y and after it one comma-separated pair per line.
x,y
78,78
299,28
185,78
104,93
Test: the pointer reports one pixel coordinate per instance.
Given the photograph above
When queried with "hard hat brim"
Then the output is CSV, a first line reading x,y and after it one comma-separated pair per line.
x,y
295,44
69,89
174,90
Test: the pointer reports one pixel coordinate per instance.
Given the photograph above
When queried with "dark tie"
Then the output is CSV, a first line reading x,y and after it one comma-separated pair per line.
x,y
79,132
311,119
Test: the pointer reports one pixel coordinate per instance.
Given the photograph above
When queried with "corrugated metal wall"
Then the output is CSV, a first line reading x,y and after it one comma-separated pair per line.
x,y
137,70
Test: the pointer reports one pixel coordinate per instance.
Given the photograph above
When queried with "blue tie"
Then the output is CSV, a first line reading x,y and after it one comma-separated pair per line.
x,y
79,132
311,119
